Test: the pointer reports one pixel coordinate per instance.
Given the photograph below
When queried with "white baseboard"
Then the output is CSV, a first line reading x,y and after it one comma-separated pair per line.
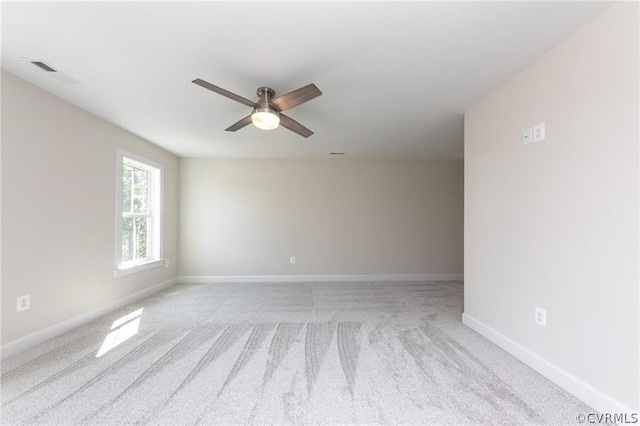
x,y
24,343
317,278
581,390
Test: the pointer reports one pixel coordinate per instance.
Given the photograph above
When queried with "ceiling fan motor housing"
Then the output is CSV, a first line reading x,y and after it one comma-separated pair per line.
x,y
264,105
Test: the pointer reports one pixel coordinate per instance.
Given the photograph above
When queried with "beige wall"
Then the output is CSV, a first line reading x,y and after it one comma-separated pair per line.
x,y
338,217
555,224
58,201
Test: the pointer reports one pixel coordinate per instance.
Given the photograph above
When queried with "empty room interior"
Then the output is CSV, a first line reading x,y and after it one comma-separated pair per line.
x,y
320,213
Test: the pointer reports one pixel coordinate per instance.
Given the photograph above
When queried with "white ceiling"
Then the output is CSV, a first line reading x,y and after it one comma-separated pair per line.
x,y
397,77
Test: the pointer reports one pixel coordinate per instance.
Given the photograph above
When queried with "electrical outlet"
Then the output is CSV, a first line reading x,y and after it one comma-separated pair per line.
x,y
23,303
527,136
292,259
538,132
541,317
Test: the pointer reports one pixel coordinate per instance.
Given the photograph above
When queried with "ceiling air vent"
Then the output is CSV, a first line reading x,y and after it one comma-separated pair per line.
x,y
43,66
57,74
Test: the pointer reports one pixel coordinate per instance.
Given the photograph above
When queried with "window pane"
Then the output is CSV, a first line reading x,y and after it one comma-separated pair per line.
x,y
142,228
140,191
140,237
127,177
127,239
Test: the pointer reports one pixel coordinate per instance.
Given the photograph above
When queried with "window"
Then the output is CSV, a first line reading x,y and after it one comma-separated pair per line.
x,y
138,213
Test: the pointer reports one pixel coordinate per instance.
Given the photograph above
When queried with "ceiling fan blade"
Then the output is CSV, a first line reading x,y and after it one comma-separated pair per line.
x,y
223,92
297,97
294,126
240,124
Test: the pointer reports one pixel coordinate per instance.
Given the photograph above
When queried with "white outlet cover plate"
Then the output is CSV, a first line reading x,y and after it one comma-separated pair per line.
x,y
23,303
527,136
541,317
538,133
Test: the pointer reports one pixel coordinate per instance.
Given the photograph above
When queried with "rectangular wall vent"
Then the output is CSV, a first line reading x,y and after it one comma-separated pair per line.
x,y
43,66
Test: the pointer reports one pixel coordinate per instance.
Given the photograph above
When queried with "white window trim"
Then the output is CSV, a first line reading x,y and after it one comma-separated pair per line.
x,y
158,258
138,268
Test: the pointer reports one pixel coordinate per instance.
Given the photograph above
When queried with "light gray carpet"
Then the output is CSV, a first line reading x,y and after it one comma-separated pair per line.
x,y
298,353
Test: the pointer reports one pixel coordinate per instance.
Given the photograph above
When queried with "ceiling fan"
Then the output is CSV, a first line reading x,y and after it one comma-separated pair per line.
x,y
267,111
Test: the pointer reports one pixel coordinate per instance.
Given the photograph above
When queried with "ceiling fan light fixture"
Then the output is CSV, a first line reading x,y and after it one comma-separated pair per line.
x,y
265,119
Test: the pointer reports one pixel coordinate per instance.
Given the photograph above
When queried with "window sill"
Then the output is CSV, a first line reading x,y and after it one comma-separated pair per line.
x,y
139,268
